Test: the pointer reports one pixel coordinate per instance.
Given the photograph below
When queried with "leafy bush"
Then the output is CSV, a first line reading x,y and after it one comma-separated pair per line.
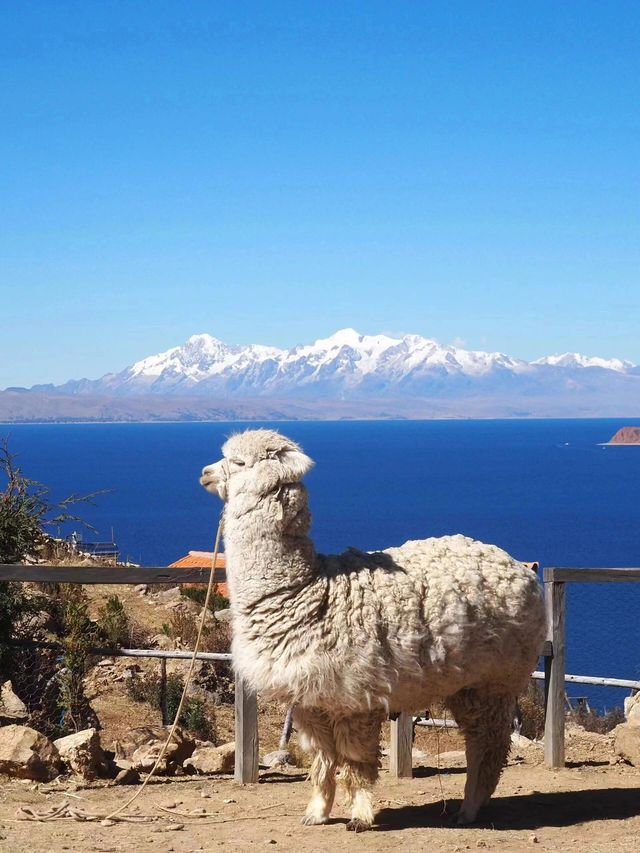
x,y
217,601
592,721
198,715
78,633
531,704
216,636
113,622
25,510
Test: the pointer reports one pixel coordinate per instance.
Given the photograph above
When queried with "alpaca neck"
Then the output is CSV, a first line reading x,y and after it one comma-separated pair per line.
x,y
268,550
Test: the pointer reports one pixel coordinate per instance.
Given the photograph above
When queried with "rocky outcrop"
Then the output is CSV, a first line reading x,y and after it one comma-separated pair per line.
x,y
12,708
632,709
278,758
626,435
212,759
26,754
82,754
627,742
142,748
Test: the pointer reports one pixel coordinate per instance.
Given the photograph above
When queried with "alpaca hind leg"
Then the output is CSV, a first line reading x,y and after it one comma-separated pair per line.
x,y
358,745
316,737
485,719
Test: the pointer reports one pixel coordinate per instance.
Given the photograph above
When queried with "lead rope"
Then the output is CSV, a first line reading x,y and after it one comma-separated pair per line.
x,y
187,681
65,810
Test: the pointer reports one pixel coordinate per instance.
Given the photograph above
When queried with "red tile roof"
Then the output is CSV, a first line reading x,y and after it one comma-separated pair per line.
x,y
198,560
203,560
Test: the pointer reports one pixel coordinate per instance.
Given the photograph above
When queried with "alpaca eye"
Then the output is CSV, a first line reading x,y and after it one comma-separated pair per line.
x,y
238,462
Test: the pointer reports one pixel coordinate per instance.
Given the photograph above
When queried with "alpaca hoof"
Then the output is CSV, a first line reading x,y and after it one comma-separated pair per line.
x,y
357,825
313,820
462,818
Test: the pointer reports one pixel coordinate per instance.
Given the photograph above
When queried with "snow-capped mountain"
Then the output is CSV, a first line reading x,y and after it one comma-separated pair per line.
x,y
346,362
575,359
344,365
344,375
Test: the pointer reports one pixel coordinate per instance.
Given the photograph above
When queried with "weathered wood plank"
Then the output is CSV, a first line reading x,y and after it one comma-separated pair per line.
x,y
593,679
555,675
246,769
547,649
107,574
574,575
400,759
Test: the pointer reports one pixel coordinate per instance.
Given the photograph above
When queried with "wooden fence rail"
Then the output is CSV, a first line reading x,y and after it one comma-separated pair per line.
x,y
246,765
246,716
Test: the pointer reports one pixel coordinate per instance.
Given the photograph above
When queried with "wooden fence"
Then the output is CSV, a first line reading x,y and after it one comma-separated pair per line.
x,y
555,581
400,763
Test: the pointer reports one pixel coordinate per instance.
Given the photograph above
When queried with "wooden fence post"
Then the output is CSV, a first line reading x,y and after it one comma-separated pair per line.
x,y
246,767
400,759
554,669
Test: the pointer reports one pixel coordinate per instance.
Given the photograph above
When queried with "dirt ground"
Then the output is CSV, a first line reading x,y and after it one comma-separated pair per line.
x,y
591,805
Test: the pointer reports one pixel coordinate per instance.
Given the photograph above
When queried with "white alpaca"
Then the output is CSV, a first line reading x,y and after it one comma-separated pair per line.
x,y
350,638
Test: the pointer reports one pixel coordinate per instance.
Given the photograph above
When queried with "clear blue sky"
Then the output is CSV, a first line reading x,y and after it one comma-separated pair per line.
x,y
271,172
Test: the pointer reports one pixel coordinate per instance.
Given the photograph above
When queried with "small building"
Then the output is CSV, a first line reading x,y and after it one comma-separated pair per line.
x,y
203,560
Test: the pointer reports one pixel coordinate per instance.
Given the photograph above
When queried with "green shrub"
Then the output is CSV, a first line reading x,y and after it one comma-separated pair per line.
x,y
531,704
113,622
199,593
25,512
198,715
592,721
78,634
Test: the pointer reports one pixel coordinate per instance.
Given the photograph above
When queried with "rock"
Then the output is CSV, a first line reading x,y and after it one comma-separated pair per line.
x,y
169,596
26,754
279,758
223,615
626,435
82,753
212,759
627,742
141,588
148,734
127,776
523,742
143,746
11,706
161,641
632,709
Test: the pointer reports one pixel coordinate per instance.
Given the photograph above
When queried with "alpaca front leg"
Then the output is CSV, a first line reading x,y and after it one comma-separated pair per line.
x,y
316,736
323,779
358,780
358,743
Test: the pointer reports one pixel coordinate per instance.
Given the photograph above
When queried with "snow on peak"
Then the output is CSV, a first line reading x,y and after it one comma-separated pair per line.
x,y
346,359
576,359
341,338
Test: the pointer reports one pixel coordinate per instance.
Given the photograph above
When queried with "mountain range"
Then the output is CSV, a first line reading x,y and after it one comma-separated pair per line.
x,y
345,375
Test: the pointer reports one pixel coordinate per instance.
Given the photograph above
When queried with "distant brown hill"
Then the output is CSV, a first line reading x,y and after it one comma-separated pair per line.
x,y
626,435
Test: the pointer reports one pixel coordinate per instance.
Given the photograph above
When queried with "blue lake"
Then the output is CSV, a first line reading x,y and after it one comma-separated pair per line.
x,y
543,490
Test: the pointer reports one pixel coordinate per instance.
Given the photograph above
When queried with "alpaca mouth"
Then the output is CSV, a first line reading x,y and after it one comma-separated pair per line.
x,y
207,481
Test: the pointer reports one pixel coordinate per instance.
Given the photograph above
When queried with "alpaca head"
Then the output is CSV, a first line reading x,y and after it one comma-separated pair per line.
x,y
257,462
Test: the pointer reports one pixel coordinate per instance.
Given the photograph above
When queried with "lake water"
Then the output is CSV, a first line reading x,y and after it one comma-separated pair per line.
x,y
542,490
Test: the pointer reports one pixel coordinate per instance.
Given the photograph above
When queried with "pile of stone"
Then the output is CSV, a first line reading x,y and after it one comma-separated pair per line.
x,y
27,754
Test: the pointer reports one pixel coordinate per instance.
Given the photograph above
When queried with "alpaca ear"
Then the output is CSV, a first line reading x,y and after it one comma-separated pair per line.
x,y
295,464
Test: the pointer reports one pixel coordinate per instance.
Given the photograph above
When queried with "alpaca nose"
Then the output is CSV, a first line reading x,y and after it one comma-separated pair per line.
x,y
208,477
